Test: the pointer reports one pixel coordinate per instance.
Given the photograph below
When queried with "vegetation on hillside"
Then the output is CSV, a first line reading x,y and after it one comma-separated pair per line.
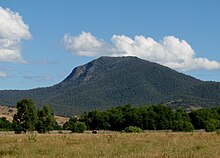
x,y
111,81
155,117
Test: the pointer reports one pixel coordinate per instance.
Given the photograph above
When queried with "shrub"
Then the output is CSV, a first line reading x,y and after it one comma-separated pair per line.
x,y
68,125
181,126
132,129
5,125
211,125
78,127
188,127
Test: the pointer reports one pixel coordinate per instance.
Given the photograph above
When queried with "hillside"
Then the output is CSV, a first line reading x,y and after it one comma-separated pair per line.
x,y
7,112
110,81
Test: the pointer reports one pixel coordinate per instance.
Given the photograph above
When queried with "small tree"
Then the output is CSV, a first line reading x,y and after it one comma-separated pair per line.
x,y
74,125
68,125
211,125
46,120
26,116
78,127
181,122
5,125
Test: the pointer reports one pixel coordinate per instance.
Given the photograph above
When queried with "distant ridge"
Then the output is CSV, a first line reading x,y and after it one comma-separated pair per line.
x,y
111,81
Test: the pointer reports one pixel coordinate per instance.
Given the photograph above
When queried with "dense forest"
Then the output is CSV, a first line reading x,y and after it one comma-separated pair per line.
x,y
111,81
120,118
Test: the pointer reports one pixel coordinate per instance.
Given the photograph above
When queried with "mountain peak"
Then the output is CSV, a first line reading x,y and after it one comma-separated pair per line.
x,y
87,71
110,81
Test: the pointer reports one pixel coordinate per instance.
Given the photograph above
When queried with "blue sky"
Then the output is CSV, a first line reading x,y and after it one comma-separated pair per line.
x,y
49,38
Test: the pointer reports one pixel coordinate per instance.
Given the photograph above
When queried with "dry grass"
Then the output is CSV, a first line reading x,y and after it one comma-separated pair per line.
x,y
61,120
7,112
155,145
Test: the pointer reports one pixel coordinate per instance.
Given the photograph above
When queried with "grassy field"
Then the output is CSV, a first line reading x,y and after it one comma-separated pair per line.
x,y
156,145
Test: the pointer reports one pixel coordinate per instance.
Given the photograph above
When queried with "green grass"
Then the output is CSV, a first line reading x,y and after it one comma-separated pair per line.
x,y
122,145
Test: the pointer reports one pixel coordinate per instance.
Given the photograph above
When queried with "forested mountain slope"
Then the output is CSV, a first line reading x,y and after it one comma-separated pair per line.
x,y
110,81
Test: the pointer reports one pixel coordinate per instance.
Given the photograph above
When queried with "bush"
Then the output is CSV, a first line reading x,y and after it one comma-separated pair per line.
x,y
68,125
211,125
78,127
188,127
181,126
132,129
5,125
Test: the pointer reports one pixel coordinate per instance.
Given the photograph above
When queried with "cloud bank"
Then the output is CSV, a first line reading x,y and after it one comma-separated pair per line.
x,y
12,31
170,51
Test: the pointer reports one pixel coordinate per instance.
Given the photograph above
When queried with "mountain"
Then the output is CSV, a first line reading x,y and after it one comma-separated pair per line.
x,y
111,81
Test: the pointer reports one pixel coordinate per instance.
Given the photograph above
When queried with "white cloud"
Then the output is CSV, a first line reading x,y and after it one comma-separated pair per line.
x,y
3,75
12,31
170,51
86,45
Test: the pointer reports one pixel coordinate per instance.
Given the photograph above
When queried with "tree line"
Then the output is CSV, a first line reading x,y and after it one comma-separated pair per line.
x,y
154,117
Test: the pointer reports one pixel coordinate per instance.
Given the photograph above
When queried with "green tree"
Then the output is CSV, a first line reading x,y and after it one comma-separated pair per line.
x,y
26,116
78,127
68,125
203,118
116,118
211,125
46,120
5,125
95,120
182,122
164,117
152,119
133,117
74,125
